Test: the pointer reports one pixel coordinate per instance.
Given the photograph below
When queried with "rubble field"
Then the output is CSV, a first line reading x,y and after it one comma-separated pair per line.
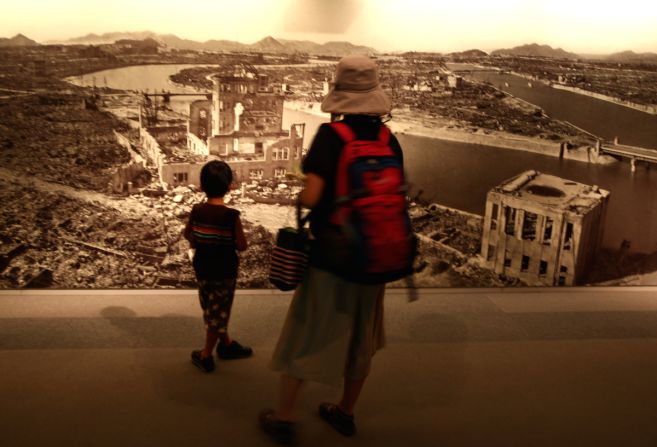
x,y
55,137
53,240
60,227
60,237
633,82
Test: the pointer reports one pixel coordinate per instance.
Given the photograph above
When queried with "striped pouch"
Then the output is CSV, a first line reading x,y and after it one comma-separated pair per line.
x,y
289,259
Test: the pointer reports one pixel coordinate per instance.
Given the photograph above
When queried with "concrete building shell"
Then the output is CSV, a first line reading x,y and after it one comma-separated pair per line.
x,y
543,229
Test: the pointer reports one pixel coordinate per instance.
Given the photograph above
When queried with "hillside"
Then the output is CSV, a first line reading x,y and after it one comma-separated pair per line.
x,y
468,53
630,57
98,39
18,40
536,50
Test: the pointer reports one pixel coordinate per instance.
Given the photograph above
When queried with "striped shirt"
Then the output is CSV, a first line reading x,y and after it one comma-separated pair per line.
x,y
215,232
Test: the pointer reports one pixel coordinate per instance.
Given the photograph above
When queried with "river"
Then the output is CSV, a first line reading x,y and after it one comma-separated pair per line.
x,y
459,175
602,118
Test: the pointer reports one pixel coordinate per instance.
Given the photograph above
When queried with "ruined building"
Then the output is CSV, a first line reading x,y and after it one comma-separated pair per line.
x,y
543,229
243,125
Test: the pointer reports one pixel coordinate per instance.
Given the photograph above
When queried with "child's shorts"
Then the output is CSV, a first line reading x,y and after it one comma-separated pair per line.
x,y
216,298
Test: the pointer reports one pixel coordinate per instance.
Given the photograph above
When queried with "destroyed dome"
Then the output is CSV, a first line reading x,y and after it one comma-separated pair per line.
x,y
240,70
545,191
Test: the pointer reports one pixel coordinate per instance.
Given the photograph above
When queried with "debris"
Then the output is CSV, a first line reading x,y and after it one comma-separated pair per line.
x,y
95,247
41,281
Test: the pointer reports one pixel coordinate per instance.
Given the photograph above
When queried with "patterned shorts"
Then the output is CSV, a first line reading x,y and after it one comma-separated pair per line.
x,y
216,298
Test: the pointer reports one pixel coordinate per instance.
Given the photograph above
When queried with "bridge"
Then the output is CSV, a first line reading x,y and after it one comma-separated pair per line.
x,y
166,96
633,153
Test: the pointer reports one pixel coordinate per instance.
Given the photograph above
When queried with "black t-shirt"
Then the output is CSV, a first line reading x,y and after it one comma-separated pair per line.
x,y
322,159
211,231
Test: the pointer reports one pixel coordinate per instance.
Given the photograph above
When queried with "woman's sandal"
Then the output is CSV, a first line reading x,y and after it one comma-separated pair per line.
x,y
282,432
338,419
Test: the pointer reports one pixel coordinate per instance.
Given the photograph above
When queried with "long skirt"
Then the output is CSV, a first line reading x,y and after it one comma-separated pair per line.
x,y
332,329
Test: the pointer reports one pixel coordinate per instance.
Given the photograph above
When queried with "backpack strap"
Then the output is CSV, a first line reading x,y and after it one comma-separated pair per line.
x,y
347,134
344,131
384,134
342,198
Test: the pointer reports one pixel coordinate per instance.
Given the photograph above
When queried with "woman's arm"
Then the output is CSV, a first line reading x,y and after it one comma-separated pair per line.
x,y
312,190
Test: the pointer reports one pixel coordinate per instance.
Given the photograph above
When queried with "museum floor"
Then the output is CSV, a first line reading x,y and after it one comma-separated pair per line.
x,y
531,367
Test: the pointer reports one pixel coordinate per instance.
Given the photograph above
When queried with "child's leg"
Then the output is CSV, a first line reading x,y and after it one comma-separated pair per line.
x,y
211,337
211,296
225,294
228,348
224,338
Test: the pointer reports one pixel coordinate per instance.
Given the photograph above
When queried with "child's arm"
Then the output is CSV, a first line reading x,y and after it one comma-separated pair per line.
x,y
240,239
187,232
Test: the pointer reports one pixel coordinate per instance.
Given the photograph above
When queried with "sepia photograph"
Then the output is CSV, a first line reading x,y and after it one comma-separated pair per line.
x,y
328,223
529,154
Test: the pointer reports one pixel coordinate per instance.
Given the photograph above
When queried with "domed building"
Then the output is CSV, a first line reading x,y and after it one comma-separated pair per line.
x,y
243,125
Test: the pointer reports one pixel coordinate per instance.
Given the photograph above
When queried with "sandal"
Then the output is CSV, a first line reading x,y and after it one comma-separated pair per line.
x,y
281,432
338,419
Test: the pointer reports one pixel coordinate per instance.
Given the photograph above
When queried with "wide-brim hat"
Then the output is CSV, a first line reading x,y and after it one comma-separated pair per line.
x,y
356,89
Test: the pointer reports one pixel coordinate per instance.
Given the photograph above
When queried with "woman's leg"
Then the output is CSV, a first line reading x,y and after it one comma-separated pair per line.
x,y
350,393
288,395
367,338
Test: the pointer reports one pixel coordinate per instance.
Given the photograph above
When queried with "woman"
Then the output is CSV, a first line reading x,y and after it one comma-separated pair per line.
x,y
334,324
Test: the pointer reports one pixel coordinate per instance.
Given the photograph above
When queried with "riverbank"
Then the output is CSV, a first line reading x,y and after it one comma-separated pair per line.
x,y
649,109
413,123
652,110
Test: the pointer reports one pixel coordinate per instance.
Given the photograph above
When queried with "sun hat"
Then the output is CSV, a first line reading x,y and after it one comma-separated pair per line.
x,y
356,89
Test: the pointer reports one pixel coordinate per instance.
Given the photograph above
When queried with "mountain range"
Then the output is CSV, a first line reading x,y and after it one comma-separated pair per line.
x,y
627,57
337,48
536,50
266,45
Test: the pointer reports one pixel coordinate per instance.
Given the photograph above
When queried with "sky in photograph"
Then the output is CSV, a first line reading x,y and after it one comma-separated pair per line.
x,y
600,26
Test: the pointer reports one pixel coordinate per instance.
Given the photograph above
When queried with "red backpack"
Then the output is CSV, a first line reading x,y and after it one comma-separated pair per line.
x,y
371,208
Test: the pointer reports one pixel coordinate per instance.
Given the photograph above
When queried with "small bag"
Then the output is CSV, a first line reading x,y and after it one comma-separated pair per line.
x,y
289,259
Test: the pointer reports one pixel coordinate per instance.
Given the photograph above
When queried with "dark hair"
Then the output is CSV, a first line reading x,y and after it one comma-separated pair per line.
x,y
216,177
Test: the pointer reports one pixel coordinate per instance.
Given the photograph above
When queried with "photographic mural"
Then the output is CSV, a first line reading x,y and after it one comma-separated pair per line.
x,y
530,163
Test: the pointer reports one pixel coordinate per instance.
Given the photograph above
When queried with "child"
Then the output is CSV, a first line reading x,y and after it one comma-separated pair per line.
x,y
215,232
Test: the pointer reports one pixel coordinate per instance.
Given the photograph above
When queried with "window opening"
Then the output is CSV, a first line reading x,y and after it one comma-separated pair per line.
x,y
491,253
507,259
547,232
568,238
524,265
180,177
256,174
510,221
529,226
494,216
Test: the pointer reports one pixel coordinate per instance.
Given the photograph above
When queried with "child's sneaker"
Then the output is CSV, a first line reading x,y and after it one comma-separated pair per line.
x,y
233,351
204,364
